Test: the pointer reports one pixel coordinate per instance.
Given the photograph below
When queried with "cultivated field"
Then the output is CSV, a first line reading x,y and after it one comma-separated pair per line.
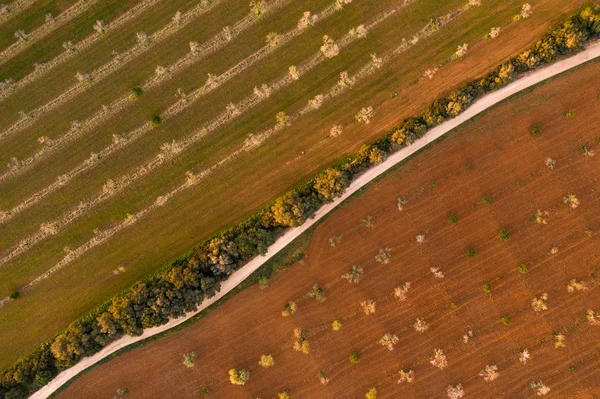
x,y
95,196
497,236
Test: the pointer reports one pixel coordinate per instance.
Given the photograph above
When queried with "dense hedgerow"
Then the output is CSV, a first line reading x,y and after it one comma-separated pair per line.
x,y
188,281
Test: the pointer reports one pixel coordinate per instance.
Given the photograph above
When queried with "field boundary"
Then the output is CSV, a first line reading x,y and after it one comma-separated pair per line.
x,y
484,103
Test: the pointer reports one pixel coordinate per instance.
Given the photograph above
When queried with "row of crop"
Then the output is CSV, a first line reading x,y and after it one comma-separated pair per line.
x,y
184,284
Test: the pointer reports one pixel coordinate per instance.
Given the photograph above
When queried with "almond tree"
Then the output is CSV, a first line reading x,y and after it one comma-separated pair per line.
x,y
494,33
489,373
354,275
401,291
461,51
368,306
266,361
69,47
540,388
420,238
189,358
406,375
384,255
593,318
437,273
364,115
345,80
316,293
539,304
336,325
239,377
430,73
142,39
559,340
289,309
21,35
467,336
420,325
372,394
334,240
293,71
306,20
282,119
301,344
571,200
575,285
439,359
99,27
550,163
541,216
329,48
389,340
258,7
524,356
273,39
455,392
339,4
335,130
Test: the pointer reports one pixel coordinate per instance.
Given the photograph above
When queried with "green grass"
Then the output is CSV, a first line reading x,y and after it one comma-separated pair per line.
x,y
228,195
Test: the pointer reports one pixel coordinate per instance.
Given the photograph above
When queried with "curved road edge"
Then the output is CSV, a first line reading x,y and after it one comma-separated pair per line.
x,y
479,106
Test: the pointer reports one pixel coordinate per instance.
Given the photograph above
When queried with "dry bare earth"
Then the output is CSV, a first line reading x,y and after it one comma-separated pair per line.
x,y
505,162
216,201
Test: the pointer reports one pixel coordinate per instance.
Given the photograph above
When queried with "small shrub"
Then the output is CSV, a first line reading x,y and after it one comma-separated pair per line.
x,y
205,392
354,275
263,283
536,130
523,268
137,91
487,288
189,358
316,293
486,199
570,113
354,357
372,394
15,294
266,361
336,325
504,235
406,375
289,309
505,320
368,221
471,252
155,120
452,218
239,377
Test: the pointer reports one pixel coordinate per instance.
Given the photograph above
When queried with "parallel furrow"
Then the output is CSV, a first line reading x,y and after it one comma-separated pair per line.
x,y
119,61
43,69
252,142
184,102
27,39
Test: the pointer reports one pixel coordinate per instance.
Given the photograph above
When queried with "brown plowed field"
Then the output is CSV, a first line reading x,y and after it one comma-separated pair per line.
x,y
494,155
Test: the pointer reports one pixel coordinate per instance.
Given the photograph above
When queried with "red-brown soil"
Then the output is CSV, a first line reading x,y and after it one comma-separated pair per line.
x,y
494,155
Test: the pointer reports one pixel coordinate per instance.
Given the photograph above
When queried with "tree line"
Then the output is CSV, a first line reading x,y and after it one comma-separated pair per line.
x,y
188,281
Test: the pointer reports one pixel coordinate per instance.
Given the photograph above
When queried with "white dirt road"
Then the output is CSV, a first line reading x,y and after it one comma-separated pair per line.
x,y
484,103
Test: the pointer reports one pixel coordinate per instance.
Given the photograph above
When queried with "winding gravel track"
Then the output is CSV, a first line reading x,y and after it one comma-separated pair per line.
x,y
484,103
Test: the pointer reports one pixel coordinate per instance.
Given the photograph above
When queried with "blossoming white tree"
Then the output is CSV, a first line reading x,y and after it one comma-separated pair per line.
x,y
406,376
455,392
439,359
329,48
354,275
540,388
384,255
489,373
336,130
524,356
540,304
368,306
420,325
365,115
389,340
401,291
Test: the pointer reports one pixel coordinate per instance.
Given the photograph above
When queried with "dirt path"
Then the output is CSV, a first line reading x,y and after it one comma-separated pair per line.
x,y
592,52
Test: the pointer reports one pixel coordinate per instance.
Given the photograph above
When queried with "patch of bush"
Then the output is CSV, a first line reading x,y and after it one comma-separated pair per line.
x,y
471,252
184,284
536,130
504,235
452,218
137,92
354,357
523,268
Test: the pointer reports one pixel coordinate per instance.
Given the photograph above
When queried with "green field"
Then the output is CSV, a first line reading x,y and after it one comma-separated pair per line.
x,y
239,187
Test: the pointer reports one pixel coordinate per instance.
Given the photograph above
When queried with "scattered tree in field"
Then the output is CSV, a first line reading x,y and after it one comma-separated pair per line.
x,y
554,250
189,358
21,35
461,51
273,39
592,317
571,200
331,183
540,216
226,33
384,255
69,47
570,113
323,379
400,202
49,229
575,285
282,119
14,164
406,375
354,275
232,110
239,377
487,288
305,21
550,163
289,309
540,388
360,31
455,392
365,115
420,238
6,85
283,395
99,27
334,240
293,71
437,273
258,7
467,336
452,218
486,199
368,306
301,344
329,48
5,9
439,359
474,3
540,304
15,294
559,340
335,130
494,33
504,235
376,62
155,120
263,283
523,268
345,80
587,152
389,340
524,356
401,291
195,47
354,357
316,293
339,4
420,325
368,221
266,361
489,373
142,39
177,18
372,394
336,325
471,252
316,102
589,232
505,320
430,73
137,92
